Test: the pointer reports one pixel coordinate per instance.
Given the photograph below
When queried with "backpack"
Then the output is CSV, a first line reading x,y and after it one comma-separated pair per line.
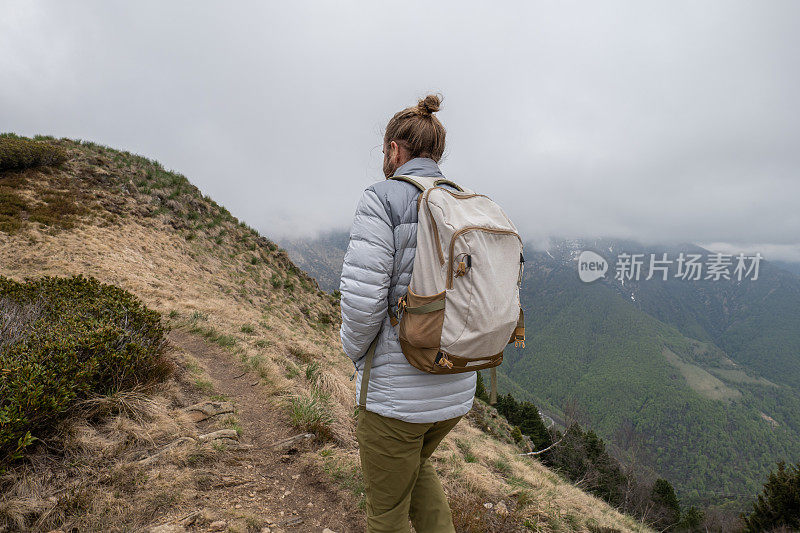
x,y
462,306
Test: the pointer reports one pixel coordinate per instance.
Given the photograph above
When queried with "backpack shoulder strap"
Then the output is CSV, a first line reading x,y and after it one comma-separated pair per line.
x,y
424,183
420,182
448,182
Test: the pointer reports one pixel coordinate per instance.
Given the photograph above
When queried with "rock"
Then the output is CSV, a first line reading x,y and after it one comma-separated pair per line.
x,y
237,506
266,530
527,444
167,528
501,509
488,505
326,530
174,444
218,525
220,434
204,410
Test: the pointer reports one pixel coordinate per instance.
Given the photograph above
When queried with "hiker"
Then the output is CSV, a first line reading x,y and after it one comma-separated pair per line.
x,y
410,401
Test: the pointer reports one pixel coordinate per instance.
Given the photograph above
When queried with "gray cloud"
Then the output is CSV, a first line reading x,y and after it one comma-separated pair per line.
x,y
668,121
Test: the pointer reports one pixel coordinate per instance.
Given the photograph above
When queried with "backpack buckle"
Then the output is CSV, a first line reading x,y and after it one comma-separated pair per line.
x,y
464,264
443,361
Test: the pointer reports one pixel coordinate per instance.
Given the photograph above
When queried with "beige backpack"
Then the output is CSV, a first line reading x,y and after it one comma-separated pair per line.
x,y
462,307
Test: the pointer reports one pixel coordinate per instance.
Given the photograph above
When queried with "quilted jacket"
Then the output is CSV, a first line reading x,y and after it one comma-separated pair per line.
x,y
376,272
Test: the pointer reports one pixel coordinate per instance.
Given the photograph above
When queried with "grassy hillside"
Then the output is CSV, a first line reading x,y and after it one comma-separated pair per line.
x,y
249,329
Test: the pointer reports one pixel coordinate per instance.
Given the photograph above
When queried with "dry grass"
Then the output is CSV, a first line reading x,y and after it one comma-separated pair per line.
x,y
211,283
531,492
90,476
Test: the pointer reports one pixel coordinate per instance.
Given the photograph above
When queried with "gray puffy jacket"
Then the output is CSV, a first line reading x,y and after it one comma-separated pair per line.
x,y
376,272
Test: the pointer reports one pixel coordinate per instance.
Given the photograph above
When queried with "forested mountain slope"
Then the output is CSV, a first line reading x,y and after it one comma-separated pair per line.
x,y
697,380
701,372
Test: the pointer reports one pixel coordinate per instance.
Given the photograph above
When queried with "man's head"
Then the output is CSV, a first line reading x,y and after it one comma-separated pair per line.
x,y
413,132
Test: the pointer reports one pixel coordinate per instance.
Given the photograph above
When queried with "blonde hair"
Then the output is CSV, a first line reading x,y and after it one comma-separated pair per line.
x,y
416,129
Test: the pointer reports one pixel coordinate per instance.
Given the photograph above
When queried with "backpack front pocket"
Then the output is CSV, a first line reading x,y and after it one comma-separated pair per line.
x,y
421,323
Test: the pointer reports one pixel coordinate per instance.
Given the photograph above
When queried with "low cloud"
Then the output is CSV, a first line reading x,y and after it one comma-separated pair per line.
x,y
659,122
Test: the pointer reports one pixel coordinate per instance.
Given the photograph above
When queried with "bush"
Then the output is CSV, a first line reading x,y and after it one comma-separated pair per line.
x,y
311,413
667,508
17,153
63,340
778,505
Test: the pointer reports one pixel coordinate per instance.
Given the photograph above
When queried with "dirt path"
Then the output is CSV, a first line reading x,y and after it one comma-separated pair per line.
x,y
259,481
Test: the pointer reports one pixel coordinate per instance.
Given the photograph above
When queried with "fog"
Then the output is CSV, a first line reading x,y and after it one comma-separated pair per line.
x,y
668,121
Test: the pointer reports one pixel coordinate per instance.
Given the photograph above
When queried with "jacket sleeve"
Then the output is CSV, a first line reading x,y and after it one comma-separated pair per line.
x,y
366,274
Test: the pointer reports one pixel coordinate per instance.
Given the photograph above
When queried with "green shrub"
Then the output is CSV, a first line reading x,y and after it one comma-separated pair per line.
x,y
57,210
11,207
516,434
311,413
63,340
17,153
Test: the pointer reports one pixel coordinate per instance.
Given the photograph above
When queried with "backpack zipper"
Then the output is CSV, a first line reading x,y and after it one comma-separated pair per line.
x,y
461,232
455,194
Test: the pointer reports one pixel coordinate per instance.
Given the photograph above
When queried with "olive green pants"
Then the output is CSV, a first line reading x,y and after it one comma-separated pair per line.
x,y
400,481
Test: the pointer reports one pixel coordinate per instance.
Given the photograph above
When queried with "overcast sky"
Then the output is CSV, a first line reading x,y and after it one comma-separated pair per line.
x,y
658,121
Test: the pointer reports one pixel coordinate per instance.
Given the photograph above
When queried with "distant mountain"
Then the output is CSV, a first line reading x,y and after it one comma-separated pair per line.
x,y
322,256
792,268
704,373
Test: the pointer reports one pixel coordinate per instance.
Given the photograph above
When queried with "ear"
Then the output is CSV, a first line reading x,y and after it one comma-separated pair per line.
x,y
394,152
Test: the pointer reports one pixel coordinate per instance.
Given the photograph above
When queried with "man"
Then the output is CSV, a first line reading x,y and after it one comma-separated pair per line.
x,y
405,413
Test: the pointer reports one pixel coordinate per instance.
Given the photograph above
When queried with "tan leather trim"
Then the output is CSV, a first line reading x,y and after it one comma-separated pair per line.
x,y
422,330
424,359
420,296
433,224
462,364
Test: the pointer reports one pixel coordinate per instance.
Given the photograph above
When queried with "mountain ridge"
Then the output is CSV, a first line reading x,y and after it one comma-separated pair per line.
x,y
151,232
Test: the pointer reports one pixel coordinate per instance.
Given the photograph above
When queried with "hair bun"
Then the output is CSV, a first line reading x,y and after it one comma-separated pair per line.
x,y
429,104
